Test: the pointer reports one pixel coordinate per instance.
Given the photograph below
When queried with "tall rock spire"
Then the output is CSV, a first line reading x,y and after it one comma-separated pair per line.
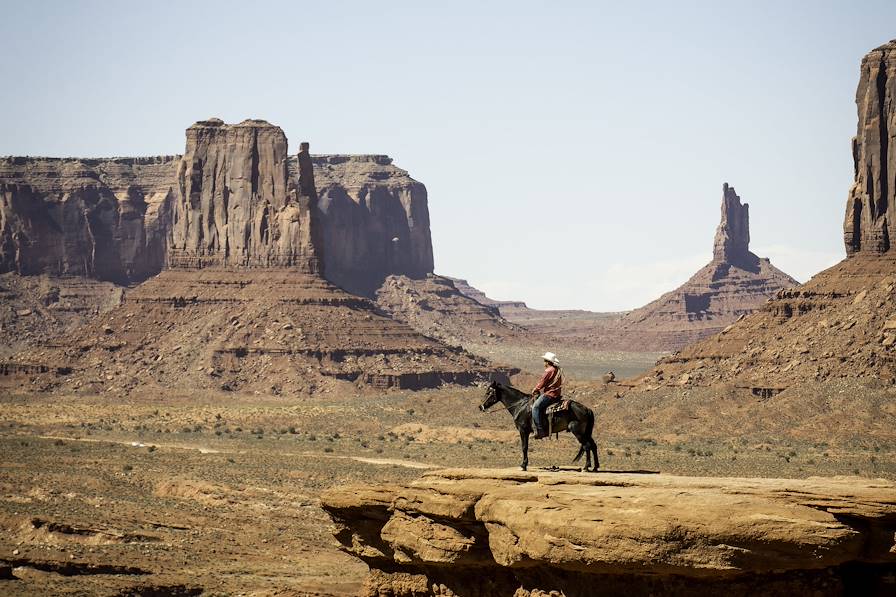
x,y
732,242
870,222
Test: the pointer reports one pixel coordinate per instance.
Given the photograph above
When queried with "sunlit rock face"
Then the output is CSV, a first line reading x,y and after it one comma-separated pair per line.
x,y
236,204
870,222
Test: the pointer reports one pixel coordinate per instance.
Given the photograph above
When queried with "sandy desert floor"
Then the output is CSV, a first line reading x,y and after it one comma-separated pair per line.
x,y
169,493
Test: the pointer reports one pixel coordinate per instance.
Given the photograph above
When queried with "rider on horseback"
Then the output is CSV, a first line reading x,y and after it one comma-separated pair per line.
x,y
546,392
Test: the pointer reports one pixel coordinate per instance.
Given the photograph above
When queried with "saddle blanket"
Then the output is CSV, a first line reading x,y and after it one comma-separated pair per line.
x,y
557,407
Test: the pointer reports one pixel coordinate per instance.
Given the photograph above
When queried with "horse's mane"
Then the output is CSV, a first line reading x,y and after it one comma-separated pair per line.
x,y
512,390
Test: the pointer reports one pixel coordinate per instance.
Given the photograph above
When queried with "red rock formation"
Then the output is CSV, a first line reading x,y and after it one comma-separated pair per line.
x,y
116,219
106,219
841,324
435,307
236,203
374,222
870,222
240,304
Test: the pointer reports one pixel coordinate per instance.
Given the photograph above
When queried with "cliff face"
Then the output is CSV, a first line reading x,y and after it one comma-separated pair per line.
x,y
374,222
105,219
236,204
234,199
501,532
870,222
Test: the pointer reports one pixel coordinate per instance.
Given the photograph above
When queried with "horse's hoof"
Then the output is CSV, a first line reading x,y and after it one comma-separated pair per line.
x,y
522,468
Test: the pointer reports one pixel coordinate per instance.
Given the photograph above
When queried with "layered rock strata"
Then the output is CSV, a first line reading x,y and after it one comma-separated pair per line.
x,y
870,223
106,219
435,307
507,309
276,331
498,532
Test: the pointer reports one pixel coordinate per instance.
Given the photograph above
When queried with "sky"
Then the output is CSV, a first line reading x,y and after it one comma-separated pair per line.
x,y
574,152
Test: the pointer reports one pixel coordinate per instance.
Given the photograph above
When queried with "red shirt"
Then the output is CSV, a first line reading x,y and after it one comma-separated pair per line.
x,y
550,382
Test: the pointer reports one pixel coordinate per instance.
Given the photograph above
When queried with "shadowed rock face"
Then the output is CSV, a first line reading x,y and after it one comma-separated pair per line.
x,y
732,242
106,219
374,222
870,222
500,532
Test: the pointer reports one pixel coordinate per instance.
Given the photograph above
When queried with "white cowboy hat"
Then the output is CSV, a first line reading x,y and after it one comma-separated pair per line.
x,y
551,358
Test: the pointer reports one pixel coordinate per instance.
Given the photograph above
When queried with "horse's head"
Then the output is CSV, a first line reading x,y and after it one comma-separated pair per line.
x,y
491,396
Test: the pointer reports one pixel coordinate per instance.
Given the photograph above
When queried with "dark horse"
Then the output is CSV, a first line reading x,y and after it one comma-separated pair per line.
x,y
578,419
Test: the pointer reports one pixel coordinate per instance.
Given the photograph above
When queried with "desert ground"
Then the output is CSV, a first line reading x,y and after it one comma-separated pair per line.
x,y
179,492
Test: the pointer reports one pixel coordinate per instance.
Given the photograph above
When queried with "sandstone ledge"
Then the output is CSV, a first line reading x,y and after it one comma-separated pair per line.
x,y
495,532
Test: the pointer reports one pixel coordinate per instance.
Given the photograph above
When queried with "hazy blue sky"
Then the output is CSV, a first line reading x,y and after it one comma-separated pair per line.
x,y
574,152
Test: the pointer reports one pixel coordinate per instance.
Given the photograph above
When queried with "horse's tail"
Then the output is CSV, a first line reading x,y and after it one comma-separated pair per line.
x,y
589,427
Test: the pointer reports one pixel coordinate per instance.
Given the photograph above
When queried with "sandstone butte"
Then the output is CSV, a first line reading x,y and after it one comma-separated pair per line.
x,y
236,250
500,532
122,219
842,322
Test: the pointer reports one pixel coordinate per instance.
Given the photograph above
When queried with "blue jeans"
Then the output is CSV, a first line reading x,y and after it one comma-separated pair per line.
x,y
541,403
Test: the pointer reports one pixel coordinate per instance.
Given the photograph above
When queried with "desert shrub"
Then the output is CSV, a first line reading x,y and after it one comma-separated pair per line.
x,y
151,449
328,449
312,438
59,442
127,468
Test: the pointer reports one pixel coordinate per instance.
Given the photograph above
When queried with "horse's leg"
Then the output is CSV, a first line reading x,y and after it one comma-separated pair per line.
x,y
594,448
524,444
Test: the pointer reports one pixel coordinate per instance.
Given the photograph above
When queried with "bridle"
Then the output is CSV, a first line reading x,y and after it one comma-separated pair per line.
x,y
489,410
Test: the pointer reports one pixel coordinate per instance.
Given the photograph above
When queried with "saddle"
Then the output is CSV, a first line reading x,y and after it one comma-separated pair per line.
x,y
554,409
558,407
